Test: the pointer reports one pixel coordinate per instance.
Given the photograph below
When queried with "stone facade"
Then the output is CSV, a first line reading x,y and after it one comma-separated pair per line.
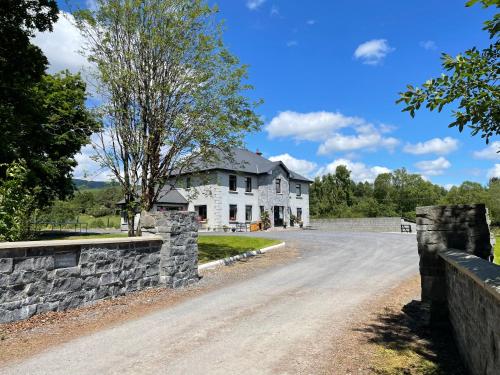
x,y
213,192
473,301
41,276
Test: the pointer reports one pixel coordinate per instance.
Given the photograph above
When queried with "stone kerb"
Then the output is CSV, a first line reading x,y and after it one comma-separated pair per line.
x,y
179,252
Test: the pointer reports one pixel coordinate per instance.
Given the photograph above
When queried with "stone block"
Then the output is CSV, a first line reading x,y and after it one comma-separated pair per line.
x,y
67,272
6,265
69,284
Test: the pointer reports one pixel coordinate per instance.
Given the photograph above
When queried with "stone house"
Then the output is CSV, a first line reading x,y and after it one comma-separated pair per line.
x,y
231,192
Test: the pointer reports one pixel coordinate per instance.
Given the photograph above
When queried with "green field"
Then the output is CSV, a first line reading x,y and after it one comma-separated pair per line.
x,y
219,247
110,221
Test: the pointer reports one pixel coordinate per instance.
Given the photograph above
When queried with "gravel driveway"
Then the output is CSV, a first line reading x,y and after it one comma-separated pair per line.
x,y
278,322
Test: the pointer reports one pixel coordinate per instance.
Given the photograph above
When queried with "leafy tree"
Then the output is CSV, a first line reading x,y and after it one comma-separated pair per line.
x,y
43,119
467,193
174,92
471,83
17,204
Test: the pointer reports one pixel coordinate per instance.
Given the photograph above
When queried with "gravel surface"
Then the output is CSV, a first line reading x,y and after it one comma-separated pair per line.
x,y
281,319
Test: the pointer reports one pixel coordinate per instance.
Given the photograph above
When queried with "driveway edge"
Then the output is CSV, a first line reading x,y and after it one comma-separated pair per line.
x,y
230,260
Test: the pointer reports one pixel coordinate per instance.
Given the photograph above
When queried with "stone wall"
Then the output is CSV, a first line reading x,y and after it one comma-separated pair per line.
x,y
473,301
461,227
458,282
375,224
40,276
179,252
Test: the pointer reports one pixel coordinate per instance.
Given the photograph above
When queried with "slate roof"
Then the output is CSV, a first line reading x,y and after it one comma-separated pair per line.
x,y
170,197
245,161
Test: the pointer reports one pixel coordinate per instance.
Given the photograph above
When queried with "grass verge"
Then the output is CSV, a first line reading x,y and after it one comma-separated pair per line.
x,y
218,247
405,343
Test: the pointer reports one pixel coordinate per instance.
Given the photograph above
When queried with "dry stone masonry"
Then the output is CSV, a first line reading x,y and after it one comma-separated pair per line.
x,y
41,276
459,283
461,227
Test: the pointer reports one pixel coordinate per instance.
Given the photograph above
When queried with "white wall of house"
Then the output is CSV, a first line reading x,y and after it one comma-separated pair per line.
x,y
300,201
213,190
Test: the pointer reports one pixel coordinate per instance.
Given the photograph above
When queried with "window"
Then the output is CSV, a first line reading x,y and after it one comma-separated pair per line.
x,y
233,212
202,212
278,185
299,214
248,213
261,210
298,190
188,182
232,182
248,187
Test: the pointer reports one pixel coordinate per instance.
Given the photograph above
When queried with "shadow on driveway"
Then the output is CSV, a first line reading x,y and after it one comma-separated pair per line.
x,y
409,345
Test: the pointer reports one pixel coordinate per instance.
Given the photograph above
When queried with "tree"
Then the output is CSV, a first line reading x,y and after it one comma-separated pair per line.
x,y
472,82
43,119
173,93
17,204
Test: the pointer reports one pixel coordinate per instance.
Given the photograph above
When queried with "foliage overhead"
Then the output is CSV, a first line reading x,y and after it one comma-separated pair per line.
x,y
43,119
471,83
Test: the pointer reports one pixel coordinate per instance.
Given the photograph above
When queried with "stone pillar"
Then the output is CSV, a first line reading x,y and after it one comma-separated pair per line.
x,y
461,227
179,252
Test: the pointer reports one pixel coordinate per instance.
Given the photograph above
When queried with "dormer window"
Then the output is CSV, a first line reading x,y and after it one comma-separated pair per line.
x,y
298,190
278,185
232,182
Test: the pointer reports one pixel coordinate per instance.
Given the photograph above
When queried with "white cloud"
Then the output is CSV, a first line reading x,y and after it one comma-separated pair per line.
x,y
373,51
311,22
494,172
254,4
304,167
490,153
88,169
368,138
359,171
433,167
432,146
62,46
429,45
312,126
292,43
449,186
325,127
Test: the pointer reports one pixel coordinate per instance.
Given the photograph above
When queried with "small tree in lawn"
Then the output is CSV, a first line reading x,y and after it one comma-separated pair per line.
x,y
472,83
173,94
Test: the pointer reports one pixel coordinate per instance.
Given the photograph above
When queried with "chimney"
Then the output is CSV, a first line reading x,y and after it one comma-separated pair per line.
x,y
258,152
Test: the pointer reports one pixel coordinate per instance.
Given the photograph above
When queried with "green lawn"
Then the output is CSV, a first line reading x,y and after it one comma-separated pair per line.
x,y
218,247
110,221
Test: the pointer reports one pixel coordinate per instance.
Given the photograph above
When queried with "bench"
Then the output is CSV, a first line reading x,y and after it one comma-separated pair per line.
x,y
405,228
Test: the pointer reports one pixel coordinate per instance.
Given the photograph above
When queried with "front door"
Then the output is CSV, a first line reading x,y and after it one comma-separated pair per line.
x,y
279,218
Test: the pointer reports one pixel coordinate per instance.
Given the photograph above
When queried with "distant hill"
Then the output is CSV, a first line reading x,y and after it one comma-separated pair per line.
x,y
85,185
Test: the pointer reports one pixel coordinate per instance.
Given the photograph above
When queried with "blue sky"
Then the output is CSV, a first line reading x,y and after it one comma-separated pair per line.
x,y
329,73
